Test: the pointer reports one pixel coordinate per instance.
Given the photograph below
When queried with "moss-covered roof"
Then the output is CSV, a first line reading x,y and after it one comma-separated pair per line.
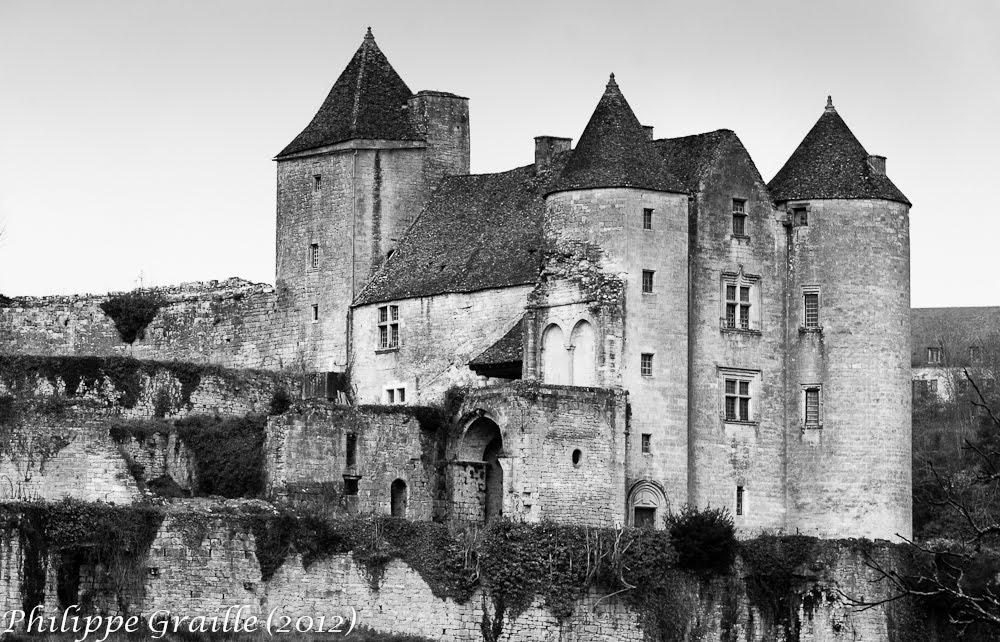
x,y
368,101
614,151
477,232
831,163
509,349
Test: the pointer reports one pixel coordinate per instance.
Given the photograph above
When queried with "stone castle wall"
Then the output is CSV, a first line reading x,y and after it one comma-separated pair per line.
x,y
233,323
204,566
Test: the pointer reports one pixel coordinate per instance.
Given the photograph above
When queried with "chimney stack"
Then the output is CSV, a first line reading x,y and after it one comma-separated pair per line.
x,y
546,147
877,163
649,131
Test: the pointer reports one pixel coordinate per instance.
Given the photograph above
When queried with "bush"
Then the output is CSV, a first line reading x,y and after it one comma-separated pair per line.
x,y
280,402
132,312
705,540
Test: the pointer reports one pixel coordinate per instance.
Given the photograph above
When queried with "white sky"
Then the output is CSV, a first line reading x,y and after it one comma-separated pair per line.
x,y
136,137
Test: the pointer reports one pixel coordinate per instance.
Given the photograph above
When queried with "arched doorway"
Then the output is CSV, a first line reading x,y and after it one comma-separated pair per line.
x,y
398,498
483,442
584,363
646,505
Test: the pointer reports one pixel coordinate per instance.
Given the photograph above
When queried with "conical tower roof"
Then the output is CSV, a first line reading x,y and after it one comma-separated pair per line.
x,y
367,101
831,163
614,151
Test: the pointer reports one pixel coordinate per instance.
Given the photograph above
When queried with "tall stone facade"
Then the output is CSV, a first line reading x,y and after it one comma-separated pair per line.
x,y
687,331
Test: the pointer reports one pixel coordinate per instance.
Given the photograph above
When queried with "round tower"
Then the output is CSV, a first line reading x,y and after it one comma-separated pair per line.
x,y
616,207
848,337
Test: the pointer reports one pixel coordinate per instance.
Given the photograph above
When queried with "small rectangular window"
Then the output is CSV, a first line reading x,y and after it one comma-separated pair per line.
x,y
645,442
800,217
401,395
350,486
390,395
647,281
315,312
314,255
739,500
646,365
932,386
739,217
812,407
934,355
351,447
810,304
388,327
317,181
647,219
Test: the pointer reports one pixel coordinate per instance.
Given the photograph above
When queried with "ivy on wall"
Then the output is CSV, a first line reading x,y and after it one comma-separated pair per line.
x,y
132,312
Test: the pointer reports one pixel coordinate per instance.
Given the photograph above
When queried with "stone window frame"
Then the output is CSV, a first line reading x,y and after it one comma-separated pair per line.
x,y
648,282
646,443
315,312
740,508
753,379
646,364
811,325
934,355
394,394
647,218
313,257
388,328
740,217
317,182
739,280
807,390
798,214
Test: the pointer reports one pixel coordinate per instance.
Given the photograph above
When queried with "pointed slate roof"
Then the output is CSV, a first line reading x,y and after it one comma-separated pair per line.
x,y
614,151
367,101
831,163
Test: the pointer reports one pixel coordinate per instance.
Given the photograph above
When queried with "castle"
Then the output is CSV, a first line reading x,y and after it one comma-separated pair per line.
x,y
640,323
760,331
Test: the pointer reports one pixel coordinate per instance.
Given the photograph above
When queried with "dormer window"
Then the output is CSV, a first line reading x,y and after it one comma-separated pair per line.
x,y
934,355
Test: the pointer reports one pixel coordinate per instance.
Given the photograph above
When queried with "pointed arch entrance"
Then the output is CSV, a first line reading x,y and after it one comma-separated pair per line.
x,y
483,442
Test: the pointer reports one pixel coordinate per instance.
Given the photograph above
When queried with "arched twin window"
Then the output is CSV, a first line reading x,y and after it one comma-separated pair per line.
x,y
573,363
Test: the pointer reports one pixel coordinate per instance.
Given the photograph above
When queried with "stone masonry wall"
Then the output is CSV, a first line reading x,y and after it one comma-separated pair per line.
x,y
203,567
232,323
438,336
541,427
307,459
730,454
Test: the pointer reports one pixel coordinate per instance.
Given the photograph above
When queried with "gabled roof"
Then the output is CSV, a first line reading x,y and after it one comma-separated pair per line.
x,y
509,349
955,330
831,163
689,158
368,101
477,232
614,151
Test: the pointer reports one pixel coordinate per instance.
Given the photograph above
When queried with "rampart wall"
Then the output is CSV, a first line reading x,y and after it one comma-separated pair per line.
x,y
232,323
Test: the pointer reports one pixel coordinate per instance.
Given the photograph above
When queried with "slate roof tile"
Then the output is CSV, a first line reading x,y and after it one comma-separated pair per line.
x,y
368,101
955,330
509,349
477,232
614,151
831,163
689,158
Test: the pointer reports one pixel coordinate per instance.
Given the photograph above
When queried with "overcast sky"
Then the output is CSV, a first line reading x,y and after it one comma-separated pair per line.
x,y
136,137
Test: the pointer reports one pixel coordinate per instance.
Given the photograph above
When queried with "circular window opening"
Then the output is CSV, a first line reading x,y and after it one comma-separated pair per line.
x,y
577,457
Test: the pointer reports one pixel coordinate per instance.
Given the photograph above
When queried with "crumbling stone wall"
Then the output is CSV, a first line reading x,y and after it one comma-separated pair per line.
x,y
306,455
542,427
232,323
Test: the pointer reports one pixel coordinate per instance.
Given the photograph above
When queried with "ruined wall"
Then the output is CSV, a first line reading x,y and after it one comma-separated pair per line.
x,y
233,323
541,426
438,336
306,455
56,436
203,561
730,454
852,474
